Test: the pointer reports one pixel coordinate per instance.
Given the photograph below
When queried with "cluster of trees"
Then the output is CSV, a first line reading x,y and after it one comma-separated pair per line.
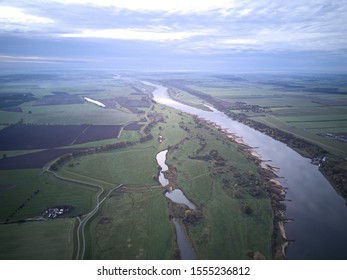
x,y
183,126
336,171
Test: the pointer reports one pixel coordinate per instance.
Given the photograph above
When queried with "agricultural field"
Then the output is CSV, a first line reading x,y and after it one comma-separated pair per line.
x,y
43,237
44,117
310,107
26,194
133,224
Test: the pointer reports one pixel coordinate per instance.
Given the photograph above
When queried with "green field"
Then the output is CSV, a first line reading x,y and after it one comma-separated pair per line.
x,y
82,85
225,232
133,224
134,166
44,240
22,187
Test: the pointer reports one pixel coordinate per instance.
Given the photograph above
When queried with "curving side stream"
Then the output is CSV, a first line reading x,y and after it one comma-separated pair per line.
x,y
161,158
319,214
177,196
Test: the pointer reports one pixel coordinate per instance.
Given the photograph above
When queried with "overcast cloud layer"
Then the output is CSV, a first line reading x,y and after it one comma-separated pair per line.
x,y
243,35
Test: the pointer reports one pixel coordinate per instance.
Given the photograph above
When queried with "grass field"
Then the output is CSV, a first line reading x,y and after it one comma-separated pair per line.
x,y
133,224
45,240
23,185
88,84
225,232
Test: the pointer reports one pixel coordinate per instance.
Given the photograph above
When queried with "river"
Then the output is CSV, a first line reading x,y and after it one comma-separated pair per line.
x,y
319,214
176,196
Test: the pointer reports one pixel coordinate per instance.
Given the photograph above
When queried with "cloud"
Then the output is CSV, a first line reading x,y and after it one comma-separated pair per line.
x,y
13,15
144,28
36,59
176,6
149,34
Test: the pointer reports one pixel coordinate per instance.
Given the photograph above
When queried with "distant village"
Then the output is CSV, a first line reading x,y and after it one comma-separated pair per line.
x,y
244,107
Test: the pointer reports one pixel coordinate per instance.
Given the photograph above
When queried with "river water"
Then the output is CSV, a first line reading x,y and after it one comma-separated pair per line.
x,y
161,158
319,214
177,196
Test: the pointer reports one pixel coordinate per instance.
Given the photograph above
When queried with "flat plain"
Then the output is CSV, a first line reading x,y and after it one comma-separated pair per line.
x,y
234,218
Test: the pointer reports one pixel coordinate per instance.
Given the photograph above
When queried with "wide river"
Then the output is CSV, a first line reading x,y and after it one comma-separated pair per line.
x,y
319,226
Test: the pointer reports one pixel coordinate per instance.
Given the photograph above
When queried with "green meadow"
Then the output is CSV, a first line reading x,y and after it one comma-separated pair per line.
x,y
40,240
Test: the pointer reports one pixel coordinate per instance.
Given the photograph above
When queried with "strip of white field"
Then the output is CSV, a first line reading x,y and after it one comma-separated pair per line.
x,y
95,102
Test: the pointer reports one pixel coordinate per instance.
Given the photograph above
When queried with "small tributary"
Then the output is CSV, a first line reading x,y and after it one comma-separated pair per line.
x,y
177,196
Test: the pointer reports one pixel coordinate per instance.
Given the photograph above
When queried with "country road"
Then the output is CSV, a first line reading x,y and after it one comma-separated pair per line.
x,y
81,226
81,241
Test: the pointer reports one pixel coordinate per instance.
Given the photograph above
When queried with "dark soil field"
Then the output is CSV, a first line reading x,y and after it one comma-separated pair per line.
x,y
132,104
133,126
33,160
14,99
29,137
98,132
109,103
12,109
59,98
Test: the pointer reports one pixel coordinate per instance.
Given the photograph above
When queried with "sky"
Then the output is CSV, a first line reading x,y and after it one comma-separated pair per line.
x,y
196,35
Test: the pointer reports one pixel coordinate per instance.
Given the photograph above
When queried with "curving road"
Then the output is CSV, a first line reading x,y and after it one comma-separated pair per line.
x,y
81,241
82,223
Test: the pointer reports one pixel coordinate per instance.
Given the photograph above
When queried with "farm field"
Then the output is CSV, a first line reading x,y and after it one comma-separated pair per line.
x,y
20,136
43,237
41,112
133,224
309,107
27,193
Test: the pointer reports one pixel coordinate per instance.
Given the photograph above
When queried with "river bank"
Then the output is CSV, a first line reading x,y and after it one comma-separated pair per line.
x,y
334,168
276,192
179,208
